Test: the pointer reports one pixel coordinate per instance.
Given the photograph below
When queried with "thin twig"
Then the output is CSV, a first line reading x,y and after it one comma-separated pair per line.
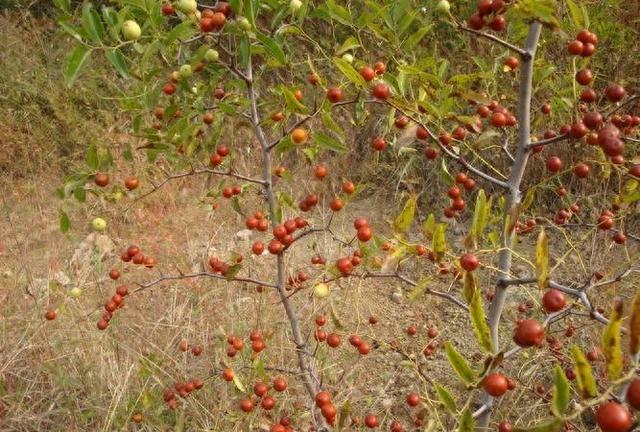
x,y
505,145
588,225
458,158
523,53
305,119
193,172
548,141
182,276
621,106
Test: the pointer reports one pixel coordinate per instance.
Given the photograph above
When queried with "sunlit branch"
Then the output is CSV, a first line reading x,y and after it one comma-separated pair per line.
x,y
523,53
615,279
548,141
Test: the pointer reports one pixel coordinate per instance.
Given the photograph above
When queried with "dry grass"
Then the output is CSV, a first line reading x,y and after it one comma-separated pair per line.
x,y
66,375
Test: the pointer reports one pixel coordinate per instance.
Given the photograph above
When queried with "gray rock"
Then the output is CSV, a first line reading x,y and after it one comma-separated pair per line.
x,y
243,235
397,297
94,248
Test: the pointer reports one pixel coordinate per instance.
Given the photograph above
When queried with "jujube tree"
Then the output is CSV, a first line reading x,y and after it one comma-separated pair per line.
x,y
300,76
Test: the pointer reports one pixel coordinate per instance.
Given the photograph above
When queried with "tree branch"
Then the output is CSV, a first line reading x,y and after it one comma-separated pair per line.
x,y
621,106
523,53
311,379
514,196
505,145
305,119
588,225
396,275
194,172
548,141
448,152
182,276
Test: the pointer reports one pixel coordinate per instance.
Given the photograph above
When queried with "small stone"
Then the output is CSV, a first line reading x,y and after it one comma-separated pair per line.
x,y
397,297
244,235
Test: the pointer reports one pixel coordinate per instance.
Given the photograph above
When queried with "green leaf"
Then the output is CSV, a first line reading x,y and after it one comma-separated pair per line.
x,y
325,142
444,171
238,383
92,157
576,14
429,226
232,271
467,422
80,194
349,44
419,289
405,218
546,426
611,343
65,223
542,259
118,61
292,103
541,10
584,373
416,37
561,395
480,218
349,72
470,286
91,23
258,366
634,326
439,242
528,199
74,64
630,192
331,124
459,364
63,5
181,31
272,48
338,13
345,413
479,321
446,398
72,30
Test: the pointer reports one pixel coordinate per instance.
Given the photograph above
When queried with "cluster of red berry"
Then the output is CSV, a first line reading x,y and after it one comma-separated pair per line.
x,y
282,233
183,390
114,303
332,339
134,254
489,13
217,158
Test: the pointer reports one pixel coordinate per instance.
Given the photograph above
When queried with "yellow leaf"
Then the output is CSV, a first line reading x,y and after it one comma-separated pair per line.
x,y
542,259
611,344
634,326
